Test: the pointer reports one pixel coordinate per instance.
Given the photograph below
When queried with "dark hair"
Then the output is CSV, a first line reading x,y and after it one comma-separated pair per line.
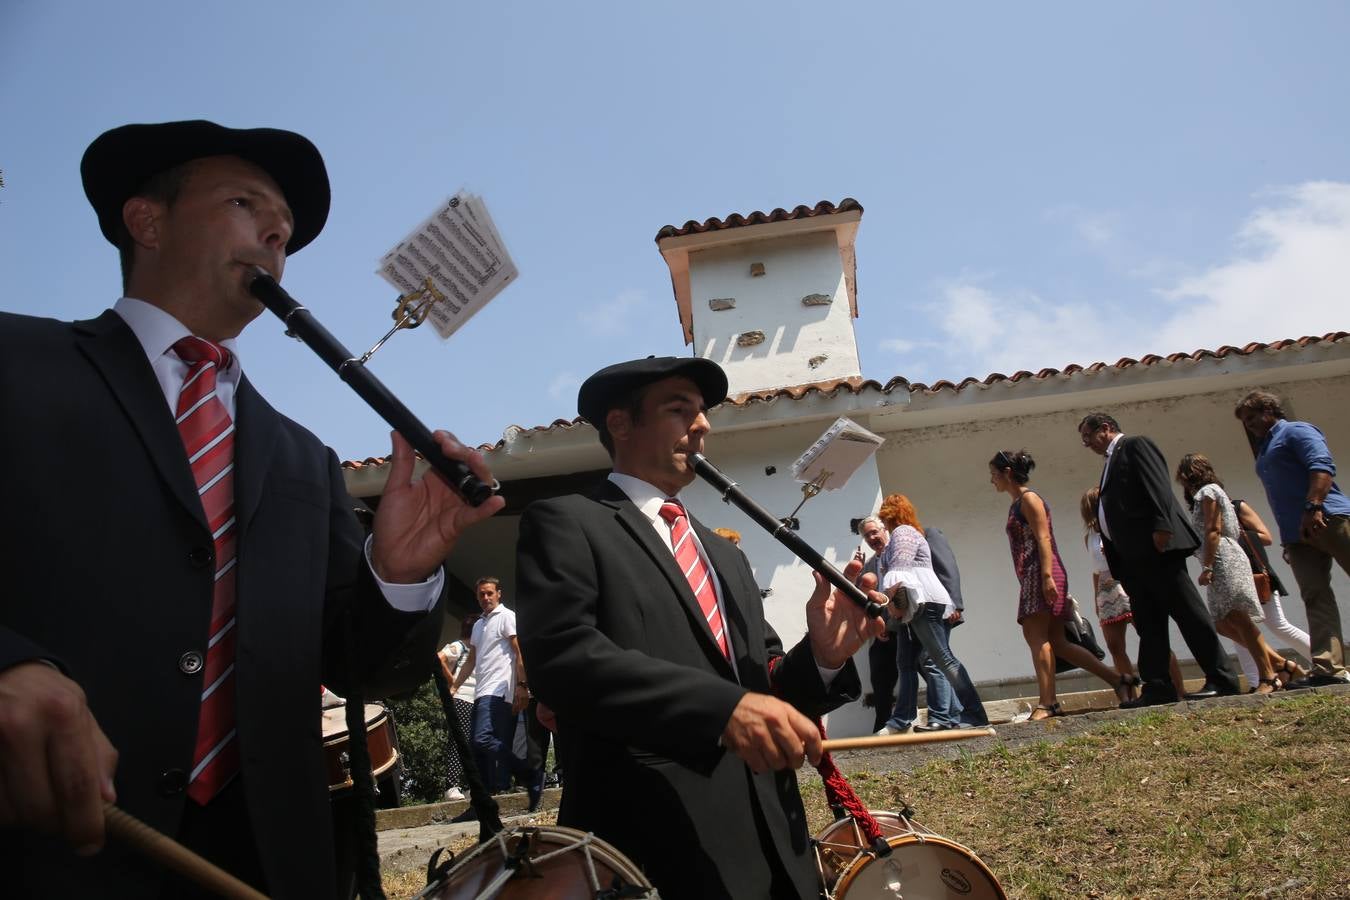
x,y
630,401
488,579
1260,401
163,187
1095,420
1018,461
1194,472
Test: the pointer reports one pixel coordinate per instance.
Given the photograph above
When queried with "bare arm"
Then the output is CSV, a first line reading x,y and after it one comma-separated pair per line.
x,y
1209,551
522,698
1319,485
465,670
1250,521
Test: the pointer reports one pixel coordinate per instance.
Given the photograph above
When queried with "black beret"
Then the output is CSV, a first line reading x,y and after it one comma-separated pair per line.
x,y
602,390
119,163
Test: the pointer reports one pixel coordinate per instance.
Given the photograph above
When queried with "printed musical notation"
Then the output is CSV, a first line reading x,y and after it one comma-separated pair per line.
x,y
460,249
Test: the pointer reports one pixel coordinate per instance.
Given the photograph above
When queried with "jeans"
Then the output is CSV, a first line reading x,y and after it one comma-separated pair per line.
x,y
494,731
913,660
931,631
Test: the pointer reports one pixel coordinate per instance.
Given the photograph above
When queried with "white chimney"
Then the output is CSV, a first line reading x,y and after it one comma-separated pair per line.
x,y
770,297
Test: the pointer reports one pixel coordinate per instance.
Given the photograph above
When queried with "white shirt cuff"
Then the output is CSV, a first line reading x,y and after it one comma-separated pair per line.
x,y
413,598
827,675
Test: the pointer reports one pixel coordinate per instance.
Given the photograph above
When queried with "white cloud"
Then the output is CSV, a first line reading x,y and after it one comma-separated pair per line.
x,y
564,385
1007,331
612,317
1290,276
899,345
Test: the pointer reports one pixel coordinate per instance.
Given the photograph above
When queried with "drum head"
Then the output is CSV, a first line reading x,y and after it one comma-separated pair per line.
x,y
554,864
921,868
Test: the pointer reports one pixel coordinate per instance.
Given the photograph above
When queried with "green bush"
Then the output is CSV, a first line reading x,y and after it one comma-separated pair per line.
x,y
424,742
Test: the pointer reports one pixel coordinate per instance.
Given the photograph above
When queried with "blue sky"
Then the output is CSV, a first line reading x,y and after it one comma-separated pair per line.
x,y
1043,183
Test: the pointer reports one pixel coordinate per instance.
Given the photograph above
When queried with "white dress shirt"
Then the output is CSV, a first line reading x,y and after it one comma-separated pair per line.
x,y
1106,468
649,499
157,332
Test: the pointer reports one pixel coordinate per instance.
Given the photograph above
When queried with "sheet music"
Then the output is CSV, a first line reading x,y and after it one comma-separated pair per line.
x,y
460,249
844,447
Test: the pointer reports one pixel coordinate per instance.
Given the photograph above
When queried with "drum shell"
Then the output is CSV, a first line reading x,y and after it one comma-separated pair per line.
x,y
565,873
926,865
336,743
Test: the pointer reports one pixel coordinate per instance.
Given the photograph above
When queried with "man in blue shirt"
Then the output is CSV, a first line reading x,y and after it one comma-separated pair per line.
x,y
1295,465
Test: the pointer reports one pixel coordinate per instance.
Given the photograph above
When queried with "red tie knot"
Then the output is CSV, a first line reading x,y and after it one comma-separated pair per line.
x,y
672,510
194,350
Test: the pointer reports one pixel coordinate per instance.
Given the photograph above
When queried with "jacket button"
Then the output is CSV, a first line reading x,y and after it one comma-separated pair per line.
x,y
200,557
190,663
172,782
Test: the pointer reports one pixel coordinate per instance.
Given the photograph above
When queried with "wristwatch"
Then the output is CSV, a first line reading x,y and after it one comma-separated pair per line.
x,y
1314,506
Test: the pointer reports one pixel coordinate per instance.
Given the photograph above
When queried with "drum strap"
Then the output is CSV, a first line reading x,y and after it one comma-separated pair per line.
x,y
838,792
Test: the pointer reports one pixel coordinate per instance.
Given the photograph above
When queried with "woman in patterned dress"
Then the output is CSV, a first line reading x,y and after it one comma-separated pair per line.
x,y
1224,569
1044,604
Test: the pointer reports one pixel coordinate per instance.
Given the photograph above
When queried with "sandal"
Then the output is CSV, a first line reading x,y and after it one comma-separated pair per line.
x,y
1052,711
1291,671
1125,688
1272,683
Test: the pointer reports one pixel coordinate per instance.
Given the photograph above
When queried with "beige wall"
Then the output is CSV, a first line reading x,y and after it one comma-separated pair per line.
x,y
944,471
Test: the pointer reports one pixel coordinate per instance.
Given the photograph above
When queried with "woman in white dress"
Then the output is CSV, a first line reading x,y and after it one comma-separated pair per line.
x,y
1224,569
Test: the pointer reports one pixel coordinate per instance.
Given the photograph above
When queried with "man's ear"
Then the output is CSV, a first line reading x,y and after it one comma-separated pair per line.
x,y
619,424
142,218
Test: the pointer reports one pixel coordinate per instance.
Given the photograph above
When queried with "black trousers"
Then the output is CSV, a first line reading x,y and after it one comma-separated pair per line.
x,y
883,671
1161,588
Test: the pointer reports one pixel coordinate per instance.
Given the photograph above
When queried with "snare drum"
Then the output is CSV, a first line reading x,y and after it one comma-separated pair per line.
x,y
541,862
921,866
337,740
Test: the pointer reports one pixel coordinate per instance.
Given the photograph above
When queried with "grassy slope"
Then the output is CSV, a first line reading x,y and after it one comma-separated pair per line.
x,y
1225,802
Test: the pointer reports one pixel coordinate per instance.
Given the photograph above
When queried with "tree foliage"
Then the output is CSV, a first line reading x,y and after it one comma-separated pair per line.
x,y
424,742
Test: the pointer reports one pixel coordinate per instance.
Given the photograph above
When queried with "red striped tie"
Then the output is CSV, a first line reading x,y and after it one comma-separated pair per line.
x,y
208,436
691,564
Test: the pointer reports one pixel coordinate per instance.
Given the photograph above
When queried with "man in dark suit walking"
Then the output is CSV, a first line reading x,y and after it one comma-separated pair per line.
x,y
1147,539
185,566
681,716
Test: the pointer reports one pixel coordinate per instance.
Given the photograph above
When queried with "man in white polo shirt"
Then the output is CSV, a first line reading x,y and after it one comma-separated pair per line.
x,y
500,692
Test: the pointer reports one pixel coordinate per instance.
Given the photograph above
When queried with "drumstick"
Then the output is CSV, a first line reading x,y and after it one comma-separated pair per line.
x,y
878,741
174,856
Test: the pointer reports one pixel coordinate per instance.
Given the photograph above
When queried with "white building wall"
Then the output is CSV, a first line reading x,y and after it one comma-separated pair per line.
x,y
944,470
795,334
824,526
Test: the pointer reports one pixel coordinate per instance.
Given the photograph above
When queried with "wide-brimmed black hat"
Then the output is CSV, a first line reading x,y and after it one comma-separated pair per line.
x,y
119,163
601,391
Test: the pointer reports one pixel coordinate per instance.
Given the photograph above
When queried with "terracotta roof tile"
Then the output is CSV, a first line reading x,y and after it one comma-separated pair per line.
x,y
899,383
736,220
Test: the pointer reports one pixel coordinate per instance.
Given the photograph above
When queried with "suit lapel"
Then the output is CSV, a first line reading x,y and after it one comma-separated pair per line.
x,y
113,350
255,439
632,519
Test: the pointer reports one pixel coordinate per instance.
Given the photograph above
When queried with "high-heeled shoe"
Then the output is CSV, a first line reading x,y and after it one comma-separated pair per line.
x,y
1272,683
1290,671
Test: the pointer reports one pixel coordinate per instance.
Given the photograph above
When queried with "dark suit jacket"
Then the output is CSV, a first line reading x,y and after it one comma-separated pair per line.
x,y
108,572
615,642
944,564
1138,499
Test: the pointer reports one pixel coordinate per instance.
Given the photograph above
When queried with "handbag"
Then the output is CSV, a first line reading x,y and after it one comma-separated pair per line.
x,y
1079,631
1262,577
